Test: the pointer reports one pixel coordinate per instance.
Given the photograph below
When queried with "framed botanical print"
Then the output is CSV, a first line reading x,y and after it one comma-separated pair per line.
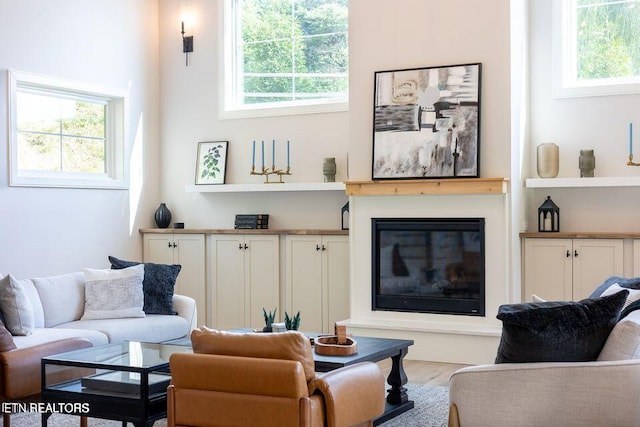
x,y
211,165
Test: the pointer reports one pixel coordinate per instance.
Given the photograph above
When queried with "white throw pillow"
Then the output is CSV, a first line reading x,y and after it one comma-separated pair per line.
x,y
536,298
634,294
62,297
113,294
16,307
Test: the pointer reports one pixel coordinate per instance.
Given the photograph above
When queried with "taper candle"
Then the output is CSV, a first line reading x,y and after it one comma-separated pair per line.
x,y
630,139
273,153
288,153
262,154
253,155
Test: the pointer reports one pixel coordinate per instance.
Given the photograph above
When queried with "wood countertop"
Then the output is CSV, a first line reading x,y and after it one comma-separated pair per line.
x,y
582,235
303,231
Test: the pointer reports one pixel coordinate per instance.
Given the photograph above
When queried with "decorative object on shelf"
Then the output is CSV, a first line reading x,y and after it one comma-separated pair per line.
x,y
278,327
336,345
547,160
211,166
178,225
162,216
252,221
586,163
265,171
187,45
329,169
548,216
345,216
269,318
419,131
292,323
630,161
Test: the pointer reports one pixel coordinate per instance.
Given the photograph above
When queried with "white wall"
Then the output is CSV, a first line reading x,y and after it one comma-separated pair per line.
x,y
597,122
106,43
190,114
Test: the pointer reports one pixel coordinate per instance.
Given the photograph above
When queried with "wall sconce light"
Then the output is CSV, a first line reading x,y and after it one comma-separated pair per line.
x,y
548,216
187,45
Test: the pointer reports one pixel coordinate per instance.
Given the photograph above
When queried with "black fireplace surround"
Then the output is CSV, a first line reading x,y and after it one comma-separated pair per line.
x,y
428,265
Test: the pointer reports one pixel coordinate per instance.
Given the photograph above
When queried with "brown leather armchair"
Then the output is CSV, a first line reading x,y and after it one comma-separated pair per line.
x,y
267,380
20,371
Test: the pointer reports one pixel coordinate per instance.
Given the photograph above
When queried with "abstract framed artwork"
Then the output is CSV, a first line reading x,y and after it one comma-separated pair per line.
x,y
427,123
211,165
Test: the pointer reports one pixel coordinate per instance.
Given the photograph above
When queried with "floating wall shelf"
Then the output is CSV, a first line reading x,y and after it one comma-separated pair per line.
x,y
252,188
610,181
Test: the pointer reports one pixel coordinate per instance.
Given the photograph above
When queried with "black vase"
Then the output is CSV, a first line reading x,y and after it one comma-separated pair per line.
x,y
163,216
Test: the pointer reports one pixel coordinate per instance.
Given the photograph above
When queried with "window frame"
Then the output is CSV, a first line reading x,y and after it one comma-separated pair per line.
x,y
565,83
228,105
116,168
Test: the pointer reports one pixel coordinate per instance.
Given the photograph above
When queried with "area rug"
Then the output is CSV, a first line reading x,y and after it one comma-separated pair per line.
x,y
431,410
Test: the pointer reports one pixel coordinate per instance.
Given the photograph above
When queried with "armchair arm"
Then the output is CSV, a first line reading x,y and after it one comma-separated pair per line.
x,y
186,307
21,367
353,394
534,394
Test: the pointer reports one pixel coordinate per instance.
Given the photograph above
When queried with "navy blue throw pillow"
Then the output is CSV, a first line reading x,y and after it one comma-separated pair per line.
x,y
557,331
157,286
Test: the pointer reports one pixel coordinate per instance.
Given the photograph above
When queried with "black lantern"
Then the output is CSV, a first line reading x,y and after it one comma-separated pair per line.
x,y
345,216
548,216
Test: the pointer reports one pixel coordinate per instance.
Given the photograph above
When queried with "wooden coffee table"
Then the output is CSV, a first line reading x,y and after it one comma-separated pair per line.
x,y
372,349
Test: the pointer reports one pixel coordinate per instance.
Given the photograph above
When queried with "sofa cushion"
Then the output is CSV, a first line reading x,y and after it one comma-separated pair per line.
x,y
113,294
557,331
152,328
45,335
6,340
623,342
15,306
627,283
62,297
36,305
290,345
158,285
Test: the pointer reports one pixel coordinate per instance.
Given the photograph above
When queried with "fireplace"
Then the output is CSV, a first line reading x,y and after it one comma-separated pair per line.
x,y
428,265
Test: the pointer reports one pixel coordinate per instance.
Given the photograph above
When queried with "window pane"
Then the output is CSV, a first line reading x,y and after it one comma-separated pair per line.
x,y
83,155
263,20
88,120
607,41
320,87
325,54
268,57
39,113
38,152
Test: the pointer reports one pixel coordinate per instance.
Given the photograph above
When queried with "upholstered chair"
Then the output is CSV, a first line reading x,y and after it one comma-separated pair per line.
x,y
267,380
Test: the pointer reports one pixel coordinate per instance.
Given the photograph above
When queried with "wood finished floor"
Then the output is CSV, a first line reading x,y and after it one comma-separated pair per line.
x,y
419,372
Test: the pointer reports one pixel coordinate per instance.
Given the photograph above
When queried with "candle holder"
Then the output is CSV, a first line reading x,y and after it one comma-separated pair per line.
x,y
630,162
266,172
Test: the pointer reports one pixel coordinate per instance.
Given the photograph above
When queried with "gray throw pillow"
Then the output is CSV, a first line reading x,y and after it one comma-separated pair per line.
x,y
557,331
158,285
16,307
113,294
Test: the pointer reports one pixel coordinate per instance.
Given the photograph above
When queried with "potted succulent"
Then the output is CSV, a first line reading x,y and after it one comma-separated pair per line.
x,y
269,318
292,323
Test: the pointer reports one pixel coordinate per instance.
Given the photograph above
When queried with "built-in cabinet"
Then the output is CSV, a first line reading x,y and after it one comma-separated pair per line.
x,y
188,250
569,268
317,280
245,279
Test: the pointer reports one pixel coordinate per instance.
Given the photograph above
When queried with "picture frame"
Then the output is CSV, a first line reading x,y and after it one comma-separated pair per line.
x,y
426,123
211,163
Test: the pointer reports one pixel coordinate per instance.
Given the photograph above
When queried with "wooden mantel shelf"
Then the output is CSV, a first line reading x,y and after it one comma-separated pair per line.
x,y
427,187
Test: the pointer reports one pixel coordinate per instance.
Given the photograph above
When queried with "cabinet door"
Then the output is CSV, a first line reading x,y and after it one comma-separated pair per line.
x,y
262,278
335,275
189,252
157,248
228,291
304,281
548,269
594,260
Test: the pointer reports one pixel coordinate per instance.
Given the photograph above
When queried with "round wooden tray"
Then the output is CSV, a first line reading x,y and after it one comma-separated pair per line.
x,y
328,346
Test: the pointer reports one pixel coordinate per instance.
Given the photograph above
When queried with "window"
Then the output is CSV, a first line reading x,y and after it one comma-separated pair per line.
x,y
64,135
596,47
284,57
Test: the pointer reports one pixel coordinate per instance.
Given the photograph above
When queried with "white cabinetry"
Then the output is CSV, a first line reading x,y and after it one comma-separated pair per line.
x,y
569,269
317,280
245,279
187,250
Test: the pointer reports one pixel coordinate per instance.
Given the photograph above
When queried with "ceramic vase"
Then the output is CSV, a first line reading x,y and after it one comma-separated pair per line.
x,y
329,169
586,163
163,216
547,160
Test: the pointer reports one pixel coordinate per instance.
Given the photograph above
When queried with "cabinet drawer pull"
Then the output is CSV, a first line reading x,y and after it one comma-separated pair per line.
x,y
568,253
169,244
240,246
575,253
245,246
324,248
317,247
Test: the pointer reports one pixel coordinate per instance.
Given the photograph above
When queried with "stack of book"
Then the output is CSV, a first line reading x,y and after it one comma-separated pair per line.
x,y
252,221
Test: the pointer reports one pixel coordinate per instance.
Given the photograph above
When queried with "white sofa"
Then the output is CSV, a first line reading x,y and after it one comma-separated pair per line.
x,y
58,307
600,393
